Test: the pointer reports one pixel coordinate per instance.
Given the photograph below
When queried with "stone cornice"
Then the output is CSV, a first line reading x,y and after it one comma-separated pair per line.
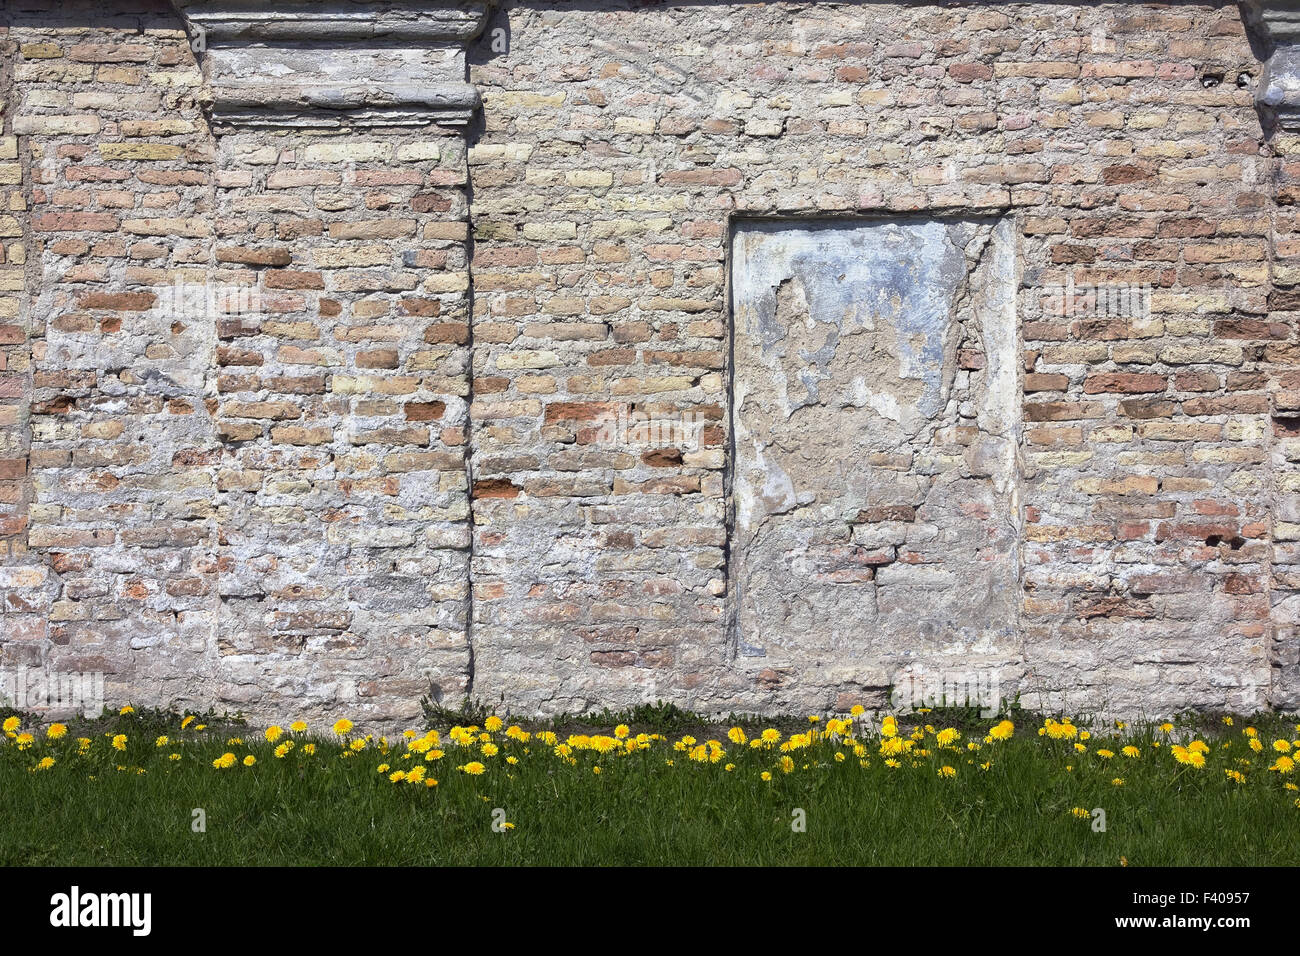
x,y
1276,24
336,63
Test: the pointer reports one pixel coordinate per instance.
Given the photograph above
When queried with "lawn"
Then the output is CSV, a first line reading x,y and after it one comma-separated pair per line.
x,y
134,788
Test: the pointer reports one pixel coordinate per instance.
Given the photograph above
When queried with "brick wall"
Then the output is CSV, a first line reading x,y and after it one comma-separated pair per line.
x,y
391,446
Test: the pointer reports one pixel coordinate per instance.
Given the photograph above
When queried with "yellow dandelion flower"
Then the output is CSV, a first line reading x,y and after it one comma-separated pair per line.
x,y
11,724
473,768
274,733
341,727
128,709
119,742
249,760
947,772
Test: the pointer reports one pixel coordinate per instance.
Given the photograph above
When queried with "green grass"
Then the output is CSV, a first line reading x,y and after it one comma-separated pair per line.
x,y
330,810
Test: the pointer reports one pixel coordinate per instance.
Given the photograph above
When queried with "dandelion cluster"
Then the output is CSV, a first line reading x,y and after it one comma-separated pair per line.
x,y
490,754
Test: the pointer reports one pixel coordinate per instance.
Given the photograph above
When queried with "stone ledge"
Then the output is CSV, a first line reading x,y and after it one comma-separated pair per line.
x,y
322,64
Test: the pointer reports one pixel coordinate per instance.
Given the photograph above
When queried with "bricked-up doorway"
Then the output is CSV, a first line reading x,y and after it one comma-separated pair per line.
x,y
875,408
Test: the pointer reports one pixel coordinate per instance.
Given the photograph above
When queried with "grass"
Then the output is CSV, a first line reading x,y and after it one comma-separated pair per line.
x,y
328,809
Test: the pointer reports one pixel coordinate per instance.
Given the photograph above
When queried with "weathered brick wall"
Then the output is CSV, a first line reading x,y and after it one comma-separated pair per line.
x,y
414,456
617,147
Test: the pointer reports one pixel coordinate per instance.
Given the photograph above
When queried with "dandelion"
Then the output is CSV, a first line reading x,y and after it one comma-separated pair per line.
x,y
187,721
250,760
11,724
45,763
1188,756
119,742
493,724
473,768
342,727
1079,813
1117,782
765,776
162,741
298,726
128,709
56,731
1283,764
225,761
1003,730
622,731
1131,752
947,772
274,733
